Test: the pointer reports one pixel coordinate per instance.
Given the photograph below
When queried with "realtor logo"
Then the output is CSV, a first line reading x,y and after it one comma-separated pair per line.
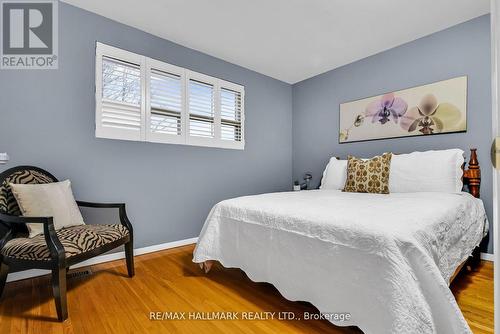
x,y
29,34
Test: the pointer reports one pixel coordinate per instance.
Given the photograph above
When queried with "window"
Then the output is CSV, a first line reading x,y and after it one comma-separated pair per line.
x,y
143,99
119,87
164,102
201,106
231,114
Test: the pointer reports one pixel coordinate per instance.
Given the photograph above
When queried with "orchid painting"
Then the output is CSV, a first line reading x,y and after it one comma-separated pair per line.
x,y
425,110
430,116
389,107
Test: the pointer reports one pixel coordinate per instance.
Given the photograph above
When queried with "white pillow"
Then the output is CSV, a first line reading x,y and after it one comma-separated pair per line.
x,y
335,175
430,171
48,200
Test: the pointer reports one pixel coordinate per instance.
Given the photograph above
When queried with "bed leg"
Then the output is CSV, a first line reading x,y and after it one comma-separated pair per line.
x,y
475,260
207,265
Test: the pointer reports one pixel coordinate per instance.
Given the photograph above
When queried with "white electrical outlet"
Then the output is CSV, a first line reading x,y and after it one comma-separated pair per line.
x,y
4,158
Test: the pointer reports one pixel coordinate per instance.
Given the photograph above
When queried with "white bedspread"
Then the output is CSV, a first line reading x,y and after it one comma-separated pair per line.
x,y
384,259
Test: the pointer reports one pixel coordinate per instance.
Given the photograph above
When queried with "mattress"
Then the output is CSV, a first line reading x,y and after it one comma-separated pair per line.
x,y
386,260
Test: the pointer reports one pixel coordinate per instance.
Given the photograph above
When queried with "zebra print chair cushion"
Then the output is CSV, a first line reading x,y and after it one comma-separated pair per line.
x,y
75,239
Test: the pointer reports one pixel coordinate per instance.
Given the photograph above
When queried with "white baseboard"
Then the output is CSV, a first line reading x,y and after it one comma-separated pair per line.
x,y
103,258
488,257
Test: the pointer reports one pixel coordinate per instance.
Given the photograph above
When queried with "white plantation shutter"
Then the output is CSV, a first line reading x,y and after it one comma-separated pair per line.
x,y
165,103
119,95
142,99
201,108
231,115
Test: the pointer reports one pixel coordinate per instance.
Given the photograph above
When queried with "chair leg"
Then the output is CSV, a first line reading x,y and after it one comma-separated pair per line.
x,y
129,256
4,270
59,290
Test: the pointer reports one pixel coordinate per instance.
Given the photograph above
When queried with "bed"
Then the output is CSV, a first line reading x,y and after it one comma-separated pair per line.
x,y
385,260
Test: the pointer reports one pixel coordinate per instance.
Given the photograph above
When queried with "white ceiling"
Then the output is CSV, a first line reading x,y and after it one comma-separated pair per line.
x,y
290,40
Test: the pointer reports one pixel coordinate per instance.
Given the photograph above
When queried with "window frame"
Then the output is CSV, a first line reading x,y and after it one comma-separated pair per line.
x,y
164,137
102,51
146,66
236,88
194,140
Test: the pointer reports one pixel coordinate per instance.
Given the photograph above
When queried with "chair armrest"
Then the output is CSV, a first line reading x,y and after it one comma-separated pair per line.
x,y
120,206
100,205
23,220
55,247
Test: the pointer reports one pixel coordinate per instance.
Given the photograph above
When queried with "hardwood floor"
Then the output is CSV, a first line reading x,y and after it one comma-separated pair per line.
x,y
474,294
109,302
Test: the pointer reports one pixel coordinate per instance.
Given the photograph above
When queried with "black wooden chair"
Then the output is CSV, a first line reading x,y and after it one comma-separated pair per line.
x,y
54,250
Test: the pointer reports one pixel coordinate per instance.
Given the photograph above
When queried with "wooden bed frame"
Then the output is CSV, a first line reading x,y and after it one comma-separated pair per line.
x,y
472,182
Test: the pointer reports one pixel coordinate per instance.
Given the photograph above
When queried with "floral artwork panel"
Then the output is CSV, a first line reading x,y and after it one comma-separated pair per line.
x,y
436,108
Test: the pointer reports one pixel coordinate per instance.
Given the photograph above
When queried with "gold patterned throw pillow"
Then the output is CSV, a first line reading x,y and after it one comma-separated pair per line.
x,y
368,176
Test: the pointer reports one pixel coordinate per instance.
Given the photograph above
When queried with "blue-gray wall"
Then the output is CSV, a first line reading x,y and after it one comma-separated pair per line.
x,y
460,50
47,119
